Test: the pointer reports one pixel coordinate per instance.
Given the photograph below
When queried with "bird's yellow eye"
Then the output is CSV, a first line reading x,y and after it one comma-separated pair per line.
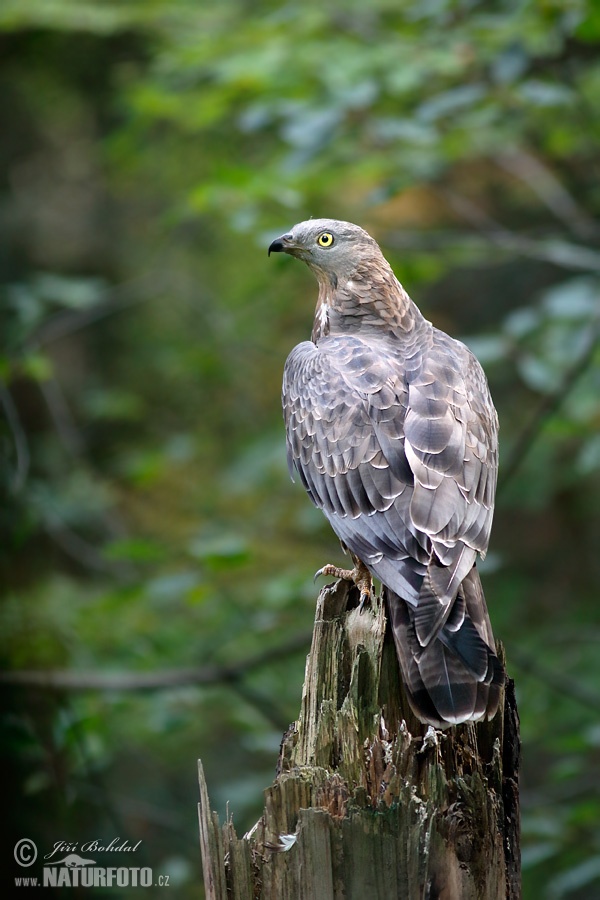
x,y
325,239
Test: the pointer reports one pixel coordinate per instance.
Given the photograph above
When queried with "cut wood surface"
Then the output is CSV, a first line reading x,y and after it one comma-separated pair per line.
x,y
367,801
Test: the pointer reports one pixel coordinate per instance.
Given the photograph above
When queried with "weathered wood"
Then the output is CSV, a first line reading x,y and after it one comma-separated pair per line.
x,y
367,801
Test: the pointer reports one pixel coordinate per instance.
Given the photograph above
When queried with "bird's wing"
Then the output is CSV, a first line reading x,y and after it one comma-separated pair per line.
x,y
396,442
343,404
451,444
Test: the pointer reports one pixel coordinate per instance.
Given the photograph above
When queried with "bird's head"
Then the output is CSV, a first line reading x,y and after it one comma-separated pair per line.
x,y
332,249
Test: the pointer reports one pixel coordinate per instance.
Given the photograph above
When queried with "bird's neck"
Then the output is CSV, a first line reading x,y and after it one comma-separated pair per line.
x,y
372,300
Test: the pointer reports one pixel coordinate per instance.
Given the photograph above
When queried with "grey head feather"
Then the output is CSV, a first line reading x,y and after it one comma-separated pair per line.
x,y
350,246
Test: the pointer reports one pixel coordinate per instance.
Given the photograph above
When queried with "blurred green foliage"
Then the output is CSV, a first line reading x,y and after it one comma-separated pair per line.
x,y
149,152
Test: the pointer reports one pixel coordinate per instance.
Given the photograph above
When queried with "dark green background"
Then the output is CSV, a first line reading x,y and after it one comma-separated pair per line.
x,y
149,151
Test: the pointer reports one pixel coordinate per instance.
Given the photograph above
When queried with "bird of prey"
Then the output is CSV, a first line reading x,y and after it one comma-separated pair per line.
x,y
393,433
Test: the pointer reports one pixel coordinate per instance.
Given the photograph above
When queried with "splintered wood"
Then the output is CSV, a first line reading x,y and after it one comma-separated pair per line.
x,y
367,801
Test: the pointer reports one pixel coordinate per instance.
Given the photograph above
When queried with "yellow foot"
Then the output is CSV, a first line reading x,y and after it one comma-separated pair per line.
x,y
359,575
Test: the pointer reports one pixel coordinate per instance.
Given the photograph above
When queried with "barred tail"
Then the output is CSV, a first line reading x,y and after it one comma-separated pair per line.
x,y
456,677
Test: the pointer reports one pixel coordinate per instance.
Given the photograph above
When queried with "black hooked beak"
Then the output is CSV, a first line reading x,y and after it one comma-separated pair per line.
x,y
281,244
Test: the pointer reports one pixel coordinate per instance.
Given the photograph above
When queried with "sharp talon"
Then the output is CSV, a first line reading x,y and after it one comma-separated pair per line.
x,y
328,569
359,575
365,598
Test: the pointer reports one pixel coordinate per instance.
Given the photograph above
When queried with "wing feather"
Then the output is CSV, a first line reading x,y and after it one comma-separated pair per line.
x,y
400,452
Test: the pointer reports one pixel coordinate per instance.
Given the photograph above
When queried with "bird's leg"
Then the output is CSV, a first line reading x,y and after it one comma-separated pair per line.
x,y
359,575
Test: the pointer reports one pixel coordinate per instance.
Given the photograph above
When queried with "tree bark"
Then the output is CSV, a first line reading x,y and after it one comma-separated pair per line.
x,y
367,801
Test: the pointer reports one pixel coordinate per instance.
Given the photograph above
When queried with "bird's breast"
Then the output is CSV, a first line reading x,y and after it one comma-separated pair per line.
x,y
321,325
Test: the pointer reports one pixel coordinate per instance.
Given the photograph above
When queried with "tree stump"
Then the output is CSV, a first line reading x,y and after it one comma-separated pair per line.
x,y
368,802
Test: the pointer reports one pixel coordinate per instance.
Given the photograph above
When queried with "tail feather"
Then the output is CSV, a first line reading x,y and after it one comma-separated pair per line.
x,y
467,645
456,677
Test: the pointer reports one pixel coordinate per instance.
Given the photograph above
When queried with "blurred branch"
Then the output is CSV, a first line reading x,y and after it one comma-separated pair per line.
x,y
116,298
82,551
19,437
551,191
92,773
558,681
549,406
68,680
132,807
559,253
552,250
477,244
61,415
266,705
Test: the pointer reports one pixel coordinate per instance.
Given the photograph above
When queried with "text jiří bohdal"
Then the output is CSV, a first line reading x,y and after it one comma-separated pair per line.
x,y
117,845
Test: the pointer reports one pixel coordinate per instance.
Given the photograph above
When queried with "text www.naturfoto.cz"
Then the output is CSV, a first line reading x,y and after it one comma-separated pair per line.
x,y
93,876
